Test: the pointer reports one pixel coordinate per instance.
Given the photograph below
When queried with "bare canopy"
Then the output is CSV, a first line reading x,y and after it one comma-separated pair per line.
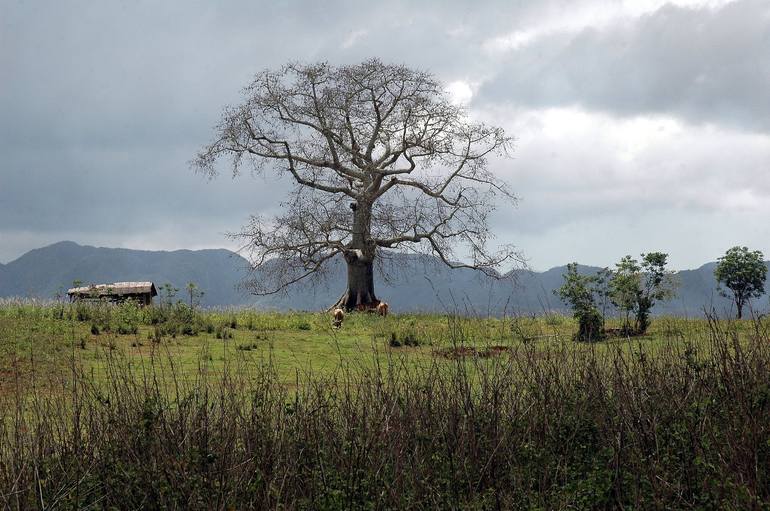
x,y
380,159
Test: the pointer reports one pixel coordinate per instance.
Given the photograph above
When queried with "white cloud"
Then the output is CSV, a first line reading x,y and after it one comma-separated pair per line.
x,y
353,37
580,16
599,187
513,40
460,92
703,66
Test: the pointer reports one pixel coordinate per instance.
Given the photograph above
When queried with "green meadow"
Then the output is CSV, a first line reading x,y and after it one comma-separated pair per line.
x,y
48,340
118,407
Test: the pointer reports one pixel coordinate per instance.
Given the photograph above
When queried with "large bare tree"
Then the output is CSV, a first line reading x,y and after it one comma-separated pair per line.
x,y
380,158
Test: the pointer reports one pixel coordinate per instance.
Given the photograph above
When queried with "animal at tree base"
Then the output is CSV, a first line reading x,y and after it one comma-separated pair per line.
x,y
338,315
382,309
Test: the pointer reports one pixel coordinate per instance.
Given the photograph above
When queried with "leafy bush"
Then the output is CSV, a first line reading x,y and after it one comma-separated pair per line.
x,y
177,319
82,311
405,333
156,315
581,293
99,314
223,332
126,317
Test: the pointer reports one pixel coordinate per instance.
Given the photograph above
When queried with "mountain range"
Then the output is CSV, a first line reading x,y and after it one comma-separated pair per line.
x,y
421,283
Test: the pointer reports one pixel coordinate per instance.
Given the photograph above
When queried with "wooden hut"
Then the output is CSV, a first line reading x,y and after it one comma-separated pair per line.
x,y
141,292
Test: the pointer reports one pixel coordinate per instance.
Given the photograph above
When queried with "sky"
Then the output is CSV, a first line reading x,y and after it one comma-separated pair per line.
x,y
640,125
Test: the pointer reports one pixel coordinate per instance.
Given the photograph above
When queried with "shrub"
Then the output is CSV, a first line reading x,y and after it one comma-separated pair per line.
x,y
155,315
581,293
590,326
403,338
127,317
407,332
223,332
178,318
82,311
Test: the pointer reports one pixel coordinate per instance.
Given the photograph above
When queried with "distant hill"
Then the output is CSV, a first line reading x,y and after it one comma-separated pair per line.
x,y
45,271
420,284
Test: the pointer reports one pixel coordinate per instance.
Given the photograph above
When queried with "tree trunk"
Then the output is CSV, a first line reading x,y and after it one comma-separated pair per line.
x,y
360,260
360,291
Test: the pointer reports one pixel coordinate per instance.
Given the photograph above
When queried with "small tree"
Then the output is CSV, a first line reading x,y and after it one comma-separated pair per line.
x,y
167,294
194,293
743,273
625,284
581,292
636,287
658,284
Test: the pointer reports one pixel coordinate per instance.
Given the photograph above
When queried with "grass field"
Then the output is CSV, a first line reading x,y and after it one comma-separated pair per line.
x,y
52,338
119,407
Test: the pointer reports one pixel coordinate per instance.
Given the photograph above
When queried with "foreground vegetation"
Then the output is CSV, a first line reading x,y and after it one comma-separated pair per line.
x,y
246,409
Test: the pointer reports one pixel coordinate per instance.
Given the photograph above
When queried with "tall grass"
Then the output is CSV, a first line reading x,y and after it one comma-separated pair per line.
x,y
560,428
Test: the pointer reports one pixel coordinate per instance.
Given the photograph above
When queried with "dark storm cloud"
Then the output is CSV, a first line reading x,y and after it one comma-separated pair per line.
x,y
106,104
102,104
704,65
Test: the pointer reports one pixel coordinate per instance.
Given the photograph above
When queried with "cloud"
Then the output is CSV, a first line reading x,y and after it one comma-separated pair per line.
x,y
704,65
627,114
630,185
351,39
581,16
460,92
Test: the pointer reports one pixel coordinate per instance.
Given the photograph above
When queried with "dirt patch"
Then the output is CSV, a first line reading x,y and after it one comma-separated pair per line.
x,y
459,352
497,350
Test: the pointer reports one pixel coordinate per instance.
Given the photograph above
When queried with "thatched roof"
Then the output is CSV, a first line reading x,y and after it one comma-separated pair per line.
x,y
116,289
